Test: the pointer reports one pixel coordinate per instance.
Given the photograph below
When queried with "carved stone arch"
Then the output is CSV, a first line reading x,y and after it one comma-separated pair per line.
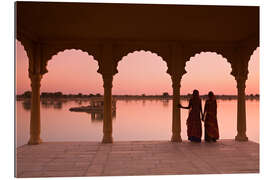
x,y
246,53
225,52
119,52
250,51
248,46
50,50
28,46
241,57
252,55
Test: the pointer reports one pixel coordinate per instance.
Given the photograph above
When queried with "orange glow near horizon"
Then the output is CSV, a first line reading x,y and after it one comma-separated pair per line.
x,y
74,71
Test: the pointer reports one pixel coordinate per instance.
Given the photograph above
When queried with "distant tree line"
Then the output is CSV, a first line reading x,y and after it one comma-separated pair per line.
x,y
27,94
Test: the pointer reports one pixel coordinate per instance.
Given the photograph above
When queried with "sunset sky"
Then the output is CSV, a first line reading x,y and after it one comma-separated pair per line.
x,y
74,71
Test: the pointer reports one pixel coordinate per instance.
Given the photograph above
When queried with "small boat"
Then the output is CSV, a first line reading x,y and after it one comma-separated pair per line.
x,y
96,106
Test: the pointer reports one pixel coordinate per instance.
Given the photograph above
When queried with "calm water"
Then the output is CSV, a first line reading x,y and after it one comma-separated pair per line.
x,y
133,120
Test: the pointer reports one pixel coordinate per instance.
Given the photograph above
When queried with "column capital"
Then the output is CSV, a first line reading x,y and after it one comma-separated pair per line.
x,y
239,64
240,74
107,80
176,79
35,77
35,80
176,76
241,83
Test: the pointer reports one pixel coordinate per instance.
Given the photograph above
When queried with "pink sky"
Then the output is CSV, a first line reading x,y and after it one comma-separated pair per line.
x,y
74,71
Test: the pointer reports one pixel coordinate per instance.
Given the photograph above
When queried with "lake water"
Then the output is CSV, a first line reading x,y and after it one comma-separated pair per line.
x,y
134,120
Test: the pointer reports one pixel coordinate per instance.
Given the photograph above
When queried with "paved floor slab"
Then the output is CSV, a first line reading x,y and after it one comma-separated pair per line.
x,y
70,159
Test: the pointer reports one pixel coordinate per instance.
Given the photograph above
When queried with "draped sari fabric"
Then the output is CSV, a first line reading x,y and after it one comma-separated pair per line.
x,y
194,125
210,123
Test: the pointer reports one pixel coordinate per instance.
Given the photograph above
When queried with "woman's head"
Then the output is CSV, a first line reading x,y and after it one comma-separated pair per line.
x,y
211,95
195,93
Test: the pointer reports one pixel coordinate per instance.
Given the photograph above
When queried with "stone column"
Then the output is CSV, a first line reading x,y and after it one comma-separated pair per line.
x,y
107,122
176,118
241,110
35,110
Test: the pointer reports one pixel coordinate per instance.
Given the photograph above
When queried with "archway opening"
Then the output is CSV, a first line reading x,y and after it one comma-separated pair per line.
x,y
73,75
22,64
206,72
253,96
72,80
253,83
142,87
23,106
72,72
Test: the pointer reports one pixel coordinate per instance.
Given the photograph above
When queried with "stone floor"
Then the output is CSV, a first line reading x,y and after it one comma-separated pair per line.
x,y
65,159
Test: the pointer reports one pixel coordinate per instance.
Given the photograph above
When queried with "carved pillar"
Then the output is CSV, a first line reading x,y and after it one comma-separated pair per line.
x,y
34,52
240,72
107,69
176,117
176,70
107,122
241,110
35,110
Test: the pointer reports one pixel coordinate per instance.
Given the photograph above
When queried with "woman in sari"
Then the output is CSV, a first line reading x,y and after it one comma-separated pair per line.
x,y
210,121
194,125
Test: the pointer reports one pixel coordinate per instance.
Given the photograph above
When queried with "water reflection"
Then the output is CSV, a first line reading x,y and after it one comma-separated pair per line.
x,y
51,103
165,102
134,121
26,104
58,103
82,101
97,117
143,102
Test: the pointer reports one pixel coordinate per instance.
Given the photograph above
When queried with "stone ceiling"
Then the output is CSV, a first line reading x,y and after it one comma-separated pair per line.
x,y
47,22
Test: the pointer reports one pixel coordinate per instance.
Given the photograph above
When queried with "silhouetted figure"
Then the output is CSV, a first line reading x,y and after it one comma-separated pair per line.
x,y
194,125
210,121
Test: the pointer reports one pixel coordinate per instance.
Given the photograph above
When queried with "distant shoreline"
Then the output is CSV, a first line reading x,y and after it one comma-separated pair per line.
x,y
122,97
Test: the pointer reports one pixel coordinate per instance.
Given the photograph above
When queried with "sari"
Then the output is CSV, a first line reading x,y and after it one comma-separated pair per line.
x,y
210,122
194,125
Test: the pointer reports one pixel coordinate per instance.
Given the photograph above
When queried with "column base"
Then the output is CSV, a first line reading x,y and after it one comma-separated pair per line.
x,y
107,139
34,141
176,138
241,137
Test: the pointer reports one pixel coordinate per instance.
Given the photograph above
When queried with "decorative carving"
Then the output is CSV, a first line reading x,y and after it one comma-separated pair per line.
x,y
107,80
225,52
121,51
241,85
35,80
50,50
28,46
176,78
241,57
107,65
177,73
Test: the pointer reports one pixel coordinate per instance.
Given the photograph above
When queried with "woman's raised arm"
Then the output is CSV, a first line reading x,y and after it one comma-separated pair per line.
x,y
189,105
